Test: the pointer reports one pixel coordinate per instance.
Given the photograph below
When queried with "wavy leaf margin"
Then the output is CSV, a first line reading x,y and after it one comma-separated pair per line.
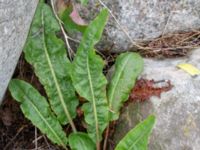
x,y
128,67
89,80
35,108
48,56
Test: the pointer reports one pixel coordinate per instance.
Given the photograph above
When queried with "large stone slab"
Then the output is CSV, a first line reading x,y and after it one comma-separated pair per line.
x,y
15,20
177,111
146,19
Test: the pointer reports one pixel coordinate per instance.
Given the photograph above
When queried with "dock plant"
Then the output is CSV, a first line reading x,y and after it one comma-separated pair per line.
x,y
65,81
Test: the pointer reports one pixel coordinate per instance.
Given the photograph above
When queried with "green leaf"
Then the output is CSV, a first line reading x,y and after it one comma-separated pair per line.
x,y
137,138
47,54
83,2
81,141
35,108
89,80
128,67
69,24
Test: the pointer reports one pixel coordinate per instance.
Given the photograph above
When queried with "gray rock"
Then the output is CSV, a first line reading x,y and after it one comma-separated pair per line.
x,y
177,111
146,20
15,20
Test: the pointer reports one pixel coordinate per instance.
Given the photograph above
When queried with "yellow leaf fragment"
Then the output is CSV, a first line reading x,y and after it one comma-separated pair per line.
x,y
193,71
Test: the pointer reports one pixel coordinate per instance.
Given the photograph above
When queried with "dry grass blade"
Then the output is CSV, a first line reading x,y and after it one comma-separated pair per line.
x,y
12,140
172,45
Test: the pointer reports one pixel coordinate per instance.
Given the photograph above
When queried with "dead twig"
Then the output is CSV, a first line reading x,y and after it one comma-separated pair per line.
x,y
36,143
172,45
37,139
120,26
45,139
184,43
66,37
13,139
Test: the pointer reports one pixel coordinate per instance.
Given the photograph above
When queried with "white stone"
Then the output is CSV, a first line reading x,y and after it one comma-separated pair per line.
x,y
15,20
177,111
145,19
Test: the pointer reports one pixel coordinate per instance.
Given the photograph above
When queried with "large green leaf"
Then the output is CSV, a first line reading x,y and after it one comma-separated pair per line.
x,y
81,141
89,80
127,68
137,138
36,109
47,54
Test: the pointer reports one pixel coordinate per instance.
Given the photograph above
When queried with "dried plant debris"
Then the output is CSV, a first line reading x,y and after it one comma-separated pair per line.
x,y
144,89
171,45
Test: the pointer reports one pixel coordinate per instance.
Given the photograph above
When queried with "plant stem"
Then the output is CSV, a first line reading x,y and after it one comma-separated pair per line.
x,y
70,51
106,138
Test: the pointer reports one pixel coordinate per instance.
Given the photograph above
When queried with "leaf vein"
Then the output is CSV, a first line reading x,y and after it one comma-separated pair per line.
x,y
55,78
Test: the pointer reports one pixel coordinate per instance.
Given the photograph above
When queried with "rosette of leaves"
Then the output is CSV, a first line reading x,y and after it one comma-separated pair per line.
x,y
60,78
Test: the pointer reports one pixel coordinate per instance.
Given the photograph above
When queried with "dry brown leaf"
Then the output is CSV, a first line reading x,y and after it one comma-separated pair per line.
x,y
144,89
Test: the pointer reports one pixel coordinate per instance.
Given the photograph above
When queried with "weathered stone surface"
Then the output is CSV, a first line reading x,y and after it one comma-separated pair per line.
x,y
177,111
146,19
15,19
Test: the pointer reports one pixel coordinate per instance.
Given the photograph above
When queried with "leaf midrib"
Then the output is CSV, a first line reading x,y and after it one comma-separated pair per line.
x,y
141,135
41,116
93,101
116,83
144,133
55,79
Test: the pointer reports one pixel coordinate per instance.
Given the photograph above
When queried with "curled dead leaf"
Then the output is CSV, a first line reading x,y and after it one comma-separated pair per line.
x,y
144,89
